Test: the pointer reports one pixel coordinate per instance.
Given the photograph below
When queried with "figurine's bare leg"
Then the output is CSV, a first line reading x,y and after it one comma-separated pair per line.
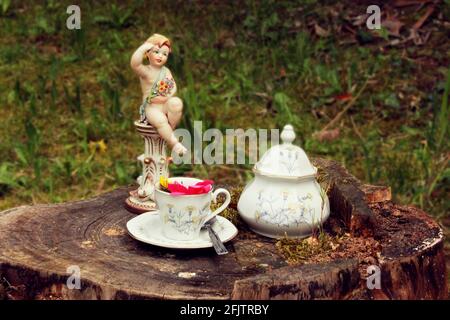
x,y
157,118
174,107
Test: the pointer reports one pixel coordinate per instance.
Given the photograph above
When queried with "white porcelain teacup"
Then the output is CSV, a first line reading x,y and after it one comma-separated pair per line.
x,y
182,216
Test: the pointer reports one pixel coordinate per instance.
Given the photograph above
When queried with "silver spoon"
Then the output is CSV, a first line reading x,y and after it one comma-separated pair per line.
x,y
217,243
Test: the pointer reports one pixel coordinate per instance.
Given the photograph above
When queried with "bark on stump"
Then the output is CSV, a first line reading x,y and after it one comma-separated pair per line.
x,y
39,243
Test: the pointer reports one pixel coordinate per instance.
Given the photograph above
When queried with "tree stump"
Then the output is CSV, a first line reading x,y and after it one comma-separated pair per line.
x,y
40,244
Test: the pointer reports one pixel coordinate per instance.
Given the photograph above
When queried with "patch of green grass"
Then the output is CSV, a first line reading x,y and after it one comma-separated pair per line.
x,y
69,98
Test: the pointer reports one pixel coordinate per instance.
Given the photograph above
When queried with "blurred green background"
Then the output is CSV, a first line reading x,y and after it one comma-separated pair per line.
x,y
69,98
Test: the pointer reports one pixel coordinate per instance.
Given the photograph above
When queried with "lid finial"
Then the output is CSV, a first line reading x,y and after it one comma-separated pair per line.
x,y
288,134
285,160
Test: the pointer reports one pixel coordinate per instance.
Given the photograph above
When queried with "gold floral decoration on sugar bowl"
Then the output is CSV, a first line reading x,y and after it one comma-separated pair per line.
x,y
284,199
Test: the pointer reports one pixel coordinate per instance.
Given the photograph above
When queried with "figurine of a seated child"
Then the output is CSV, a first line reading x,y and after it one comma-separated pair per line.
x,y
160,108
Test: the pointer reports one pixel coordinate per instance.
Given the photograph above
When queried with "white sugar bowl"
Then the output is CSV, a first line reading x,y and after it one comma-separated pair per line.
x,y
284,199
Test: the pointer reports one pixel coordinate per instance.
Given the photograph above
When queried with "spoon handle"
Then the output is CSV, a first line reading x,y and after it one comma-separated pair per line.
x,y
217,243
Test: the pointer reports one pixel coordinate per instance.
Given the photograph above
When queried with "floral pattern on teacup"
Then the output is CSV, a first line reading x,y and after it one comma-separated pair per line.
x,y
185,220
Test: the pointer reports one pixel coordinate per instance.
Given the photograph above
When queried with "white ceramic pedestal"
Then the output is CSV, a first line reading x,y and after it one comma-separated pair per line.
x,y
154,163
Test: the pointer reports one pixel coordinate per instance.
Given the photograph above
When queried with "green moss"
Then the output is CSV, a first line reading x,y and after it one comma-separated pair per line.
x,y
298,251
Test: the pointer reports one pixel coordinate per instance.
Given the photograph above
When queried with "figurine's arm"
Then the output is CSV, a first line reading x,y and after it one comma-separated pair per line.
x,y
159,99
137,57
174,89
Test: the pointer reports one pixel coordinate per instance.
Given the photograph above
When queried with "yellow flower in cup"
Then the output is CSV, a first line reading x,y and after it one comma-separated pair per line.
x,y
164,182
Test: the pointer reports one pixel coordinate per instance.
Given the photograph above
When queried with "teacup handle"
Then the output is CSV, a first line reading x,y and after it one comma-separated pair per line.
x,y
223,206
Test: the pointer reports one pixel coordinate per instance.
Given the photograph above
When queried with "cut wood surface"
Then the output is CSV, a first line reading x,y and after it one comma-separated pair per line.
x,y
39,243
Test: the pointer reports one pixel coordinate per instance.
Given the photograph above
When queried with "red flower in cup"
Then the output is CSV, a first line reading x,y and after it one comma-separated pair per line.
x,y
201,187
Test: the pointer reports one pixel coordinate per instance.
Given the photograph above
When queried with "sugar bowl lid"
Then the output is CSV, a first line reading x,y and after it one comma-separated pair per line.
x,y
285,160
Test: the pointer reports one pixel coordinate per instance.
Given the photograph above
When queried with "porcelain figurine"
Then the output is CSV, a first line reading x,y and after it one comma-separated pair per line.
x,y
160,112
160,108
284,199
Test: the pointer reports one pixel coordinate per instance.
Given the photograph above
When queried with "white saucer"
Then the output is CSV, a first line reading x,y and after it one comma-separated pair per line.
x,y
147,228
